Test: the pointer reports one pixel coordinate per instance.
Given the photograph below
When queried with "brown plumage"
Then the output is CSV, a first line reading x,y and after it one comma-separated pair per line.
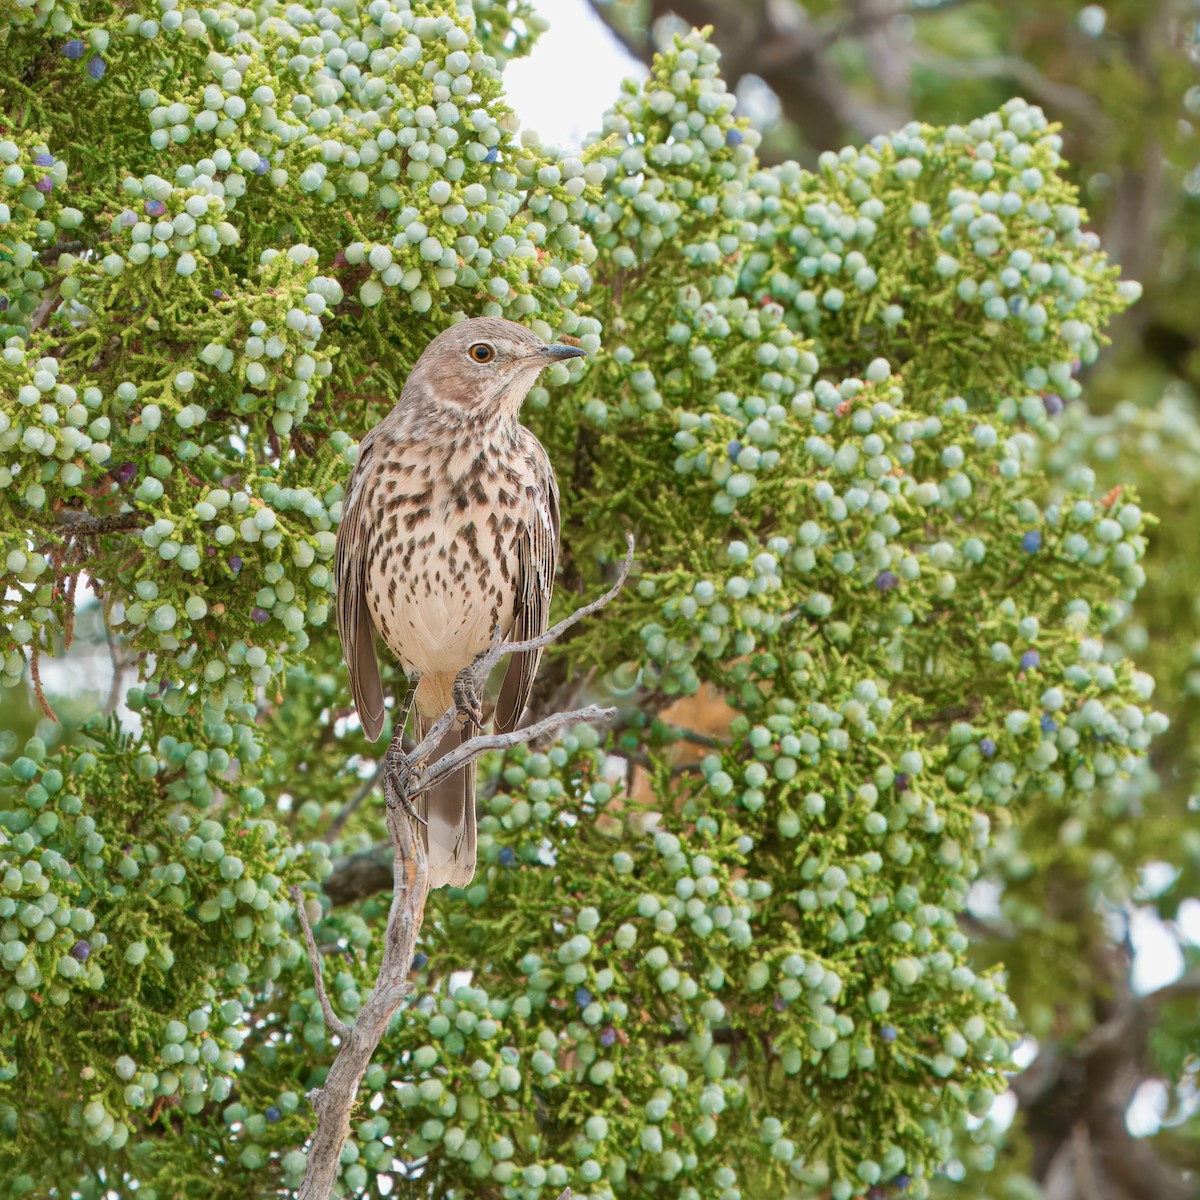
x,y
449,529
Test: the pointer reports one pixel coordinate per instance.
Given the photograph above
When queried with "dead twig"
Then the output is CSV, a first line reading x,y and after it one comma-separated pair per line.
x,y
335,1023
334,1102
78,522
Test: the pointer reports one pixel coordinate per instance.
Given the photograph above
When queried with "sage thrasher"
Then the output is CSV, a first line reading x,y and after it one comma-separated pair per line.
x,y
449,531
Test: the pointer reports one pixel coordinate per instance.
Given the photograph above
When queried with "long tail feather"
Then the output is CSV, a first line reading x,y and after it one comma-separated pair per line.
x,y
449,831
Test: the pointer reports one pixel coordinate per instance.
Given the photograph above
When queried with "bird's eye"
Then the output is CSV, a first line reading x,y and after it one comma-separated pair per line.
x,y
481,352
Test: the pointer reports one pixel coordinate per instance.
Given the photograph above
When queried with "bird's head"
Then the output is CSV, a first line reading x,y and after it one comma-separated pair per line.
x,y
482,367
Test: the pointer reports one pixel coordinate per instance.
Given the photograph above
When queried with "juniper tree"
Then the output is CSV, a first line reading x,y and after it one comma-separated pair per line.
x,y
823,402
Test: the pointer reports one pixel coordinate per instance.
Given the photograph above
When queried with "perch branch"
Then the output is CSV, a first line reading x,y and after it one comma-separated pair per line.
x,y
489,659
86,523
403,779
332,1020
334,1102
483,744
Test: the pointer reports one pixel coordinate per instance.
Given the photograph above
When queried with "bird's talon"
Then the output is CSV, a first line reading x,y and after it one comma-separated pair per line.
x,y
466,698
403,775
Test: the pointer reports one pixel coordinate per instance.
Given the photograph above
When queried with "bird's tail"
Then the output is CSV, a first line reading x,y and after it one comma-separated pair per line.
x,y
448,809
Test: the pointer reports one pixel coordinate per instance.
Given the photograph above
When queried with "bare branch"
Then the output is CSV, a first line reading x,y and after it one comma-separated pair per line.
x,y
639,48
79,522
49,257
359,875
476,747
332,1020
1062,97
119,665
1186,985
496,653
334,1102
44,310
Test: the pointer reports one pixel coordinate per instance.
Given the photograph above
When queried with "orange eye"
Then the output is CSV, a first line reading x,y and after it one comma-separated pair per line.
x,y
481,352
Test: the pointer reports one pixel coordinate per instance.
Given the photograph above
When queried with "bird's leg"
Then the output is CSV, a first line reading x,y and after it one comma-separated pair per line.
x,y
466,686
401,774
466,694
406,705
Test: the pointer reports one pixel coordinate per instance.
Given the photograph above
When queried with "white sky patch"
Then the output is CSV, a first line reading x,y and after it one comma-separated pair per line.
x,y
1157,957
573,75
1189,920
1147,1109
1024,1053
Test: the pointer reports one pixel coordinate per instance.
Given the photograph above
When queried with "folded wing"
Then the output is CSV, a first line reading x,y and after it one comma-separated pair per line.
x,y
537,560
355,626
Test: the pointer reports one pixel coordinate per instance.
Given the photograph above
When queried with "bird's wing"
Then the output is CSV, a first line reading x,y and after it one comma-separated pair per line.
x,y
537,559
354,617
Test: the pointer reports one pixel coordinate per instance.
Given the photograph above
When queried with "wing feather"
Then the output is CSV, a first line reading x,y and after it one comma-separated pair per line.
x,y
537,560
355,626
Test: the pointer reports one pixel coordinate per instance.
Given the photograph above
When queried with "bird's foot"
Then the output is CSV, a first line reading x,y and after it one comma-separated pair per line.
x,y
402,775
466,695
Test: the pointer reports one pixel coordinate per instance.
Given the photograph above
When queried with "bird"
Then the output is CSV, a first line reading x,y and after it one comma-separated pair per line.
x,y
449,533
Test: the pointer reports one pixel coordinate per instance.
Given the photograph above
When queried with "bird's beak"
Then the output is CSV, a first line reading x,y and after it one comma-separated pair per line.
x,y
558,351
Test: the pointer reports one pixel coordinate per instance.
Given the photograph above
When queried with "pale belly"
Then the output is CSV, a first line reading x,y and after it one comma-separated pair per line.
x,y
437,598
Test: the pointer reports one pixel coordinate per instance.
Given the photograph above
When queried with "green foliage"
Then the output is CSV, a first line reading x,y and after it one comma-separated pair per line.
x,y
822,400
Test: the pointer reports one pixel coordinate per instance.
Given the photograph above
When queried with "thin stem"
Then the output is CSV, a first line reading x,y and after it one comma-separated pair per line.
x,y
476,747
332,1020
491,657
334,1102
